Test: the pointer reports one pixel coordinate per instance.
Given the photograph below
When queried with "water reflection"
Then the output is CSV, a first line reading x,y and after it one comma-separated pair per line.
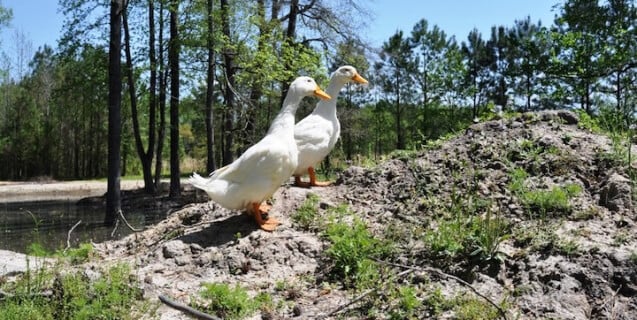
x,y
48,223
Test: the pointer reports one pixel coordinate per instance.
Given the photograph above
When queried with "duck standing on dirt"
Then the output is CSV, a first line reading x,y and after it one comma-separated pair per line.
x,y
317,133
260,170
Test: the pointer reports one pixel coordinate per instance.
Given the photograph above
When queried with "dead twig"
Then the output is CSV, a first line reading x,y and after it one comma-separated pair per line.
x,y
68,236
184,308
115,228
449,276
121,215
353,199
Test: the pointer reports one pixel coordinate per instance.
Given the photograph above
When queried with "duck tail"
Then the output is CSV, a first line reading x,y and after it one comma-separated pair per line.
x,y
198,181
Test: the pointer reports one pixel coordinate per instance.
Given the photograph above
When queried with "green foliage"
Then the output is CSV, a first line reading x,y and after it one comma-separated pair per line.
x,y
464,306
555,200
232,303
542,202
306,215
633,257
352,250
408,303
567,247
477,236
436,302
113,296
78,255
489,232
469,308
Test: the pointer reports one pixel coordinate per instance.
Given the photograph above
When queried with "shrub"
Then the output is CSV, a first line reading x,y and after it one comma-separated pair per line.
x,y
230,303
306,215
352,251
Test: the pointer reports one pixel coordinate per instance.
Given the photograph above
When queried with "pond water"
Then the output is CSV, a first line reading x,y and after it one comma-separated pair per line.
x,y
48,223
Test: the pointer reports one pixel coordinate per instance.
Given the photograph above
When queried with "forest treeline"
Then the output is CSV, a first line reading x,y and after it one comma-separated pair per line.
x,y
234,59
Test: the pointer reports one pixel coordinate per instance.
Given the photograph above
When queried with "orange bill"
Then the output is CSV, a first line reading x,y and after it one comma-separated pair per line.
x,y
321,94
357,77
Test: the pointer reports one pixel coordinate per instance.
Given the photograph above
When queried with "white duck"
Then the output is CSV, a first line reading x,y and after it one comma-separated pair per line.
x,y
260,170
317,133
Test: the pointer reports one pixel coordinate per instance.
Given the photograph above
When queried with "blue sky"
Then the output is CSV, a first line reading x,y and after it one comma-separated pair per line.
x,y
41,23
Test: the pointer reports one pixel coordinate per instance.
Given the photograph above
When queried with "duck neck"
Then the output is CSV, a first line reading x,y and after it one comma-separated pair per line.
x,y
328,107
285,118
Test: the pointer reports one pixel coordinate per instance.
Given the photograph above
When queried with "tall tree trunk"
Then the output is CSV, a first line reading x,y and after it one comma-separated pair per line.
x,y
290,35
113,196
425,98
618,91
146,157
229,96
528,93
400,143
210,128
256,90
173,62
161,135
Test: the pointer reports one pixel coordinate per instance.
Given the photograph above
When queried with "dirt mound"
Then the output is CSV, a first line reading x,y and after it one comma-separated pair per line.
x,y
547,207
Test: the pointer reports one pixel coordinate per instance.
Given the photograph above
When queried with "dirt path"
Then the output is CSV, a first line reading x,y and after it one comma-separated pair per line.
x,y
65,190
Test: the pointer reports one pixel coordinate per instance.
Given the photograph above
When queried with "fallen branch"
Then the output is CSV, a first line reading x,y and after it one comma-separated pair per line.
x,y
68,235
358,298
184,308
449,276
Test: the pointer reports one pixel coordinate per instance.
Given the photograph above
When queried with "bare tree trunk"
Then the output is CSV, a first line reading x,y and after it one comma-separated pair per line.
x,y
400,143
210,133
146,157
161,136
256,91
229,96
290,35
173,62
113,196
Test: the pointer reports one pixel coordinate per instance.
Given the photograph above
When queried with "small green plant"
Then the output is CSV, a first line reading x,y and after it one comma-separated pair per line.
x,y
549,201
633,257
537,238
78,255
518,175
620,238
489,232
469,308
306,215
436,302
586,214
407,303
542,201
230,303
567,247
448,238
352,249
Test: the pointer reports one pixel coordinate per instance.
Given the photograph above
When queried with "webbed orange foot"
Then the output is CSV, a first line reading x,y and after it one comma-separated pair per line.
x,y
322,183
267,224
313,181
299,183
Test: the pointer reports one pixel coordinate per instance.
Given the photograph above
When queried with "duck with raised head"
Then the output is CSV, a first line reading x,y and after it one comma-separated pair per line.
x,y
252,178
317,133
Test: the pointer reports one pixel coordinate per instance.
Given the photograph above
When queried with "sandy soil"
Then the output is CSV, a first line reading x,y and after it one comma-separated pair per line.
x,y
58,190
